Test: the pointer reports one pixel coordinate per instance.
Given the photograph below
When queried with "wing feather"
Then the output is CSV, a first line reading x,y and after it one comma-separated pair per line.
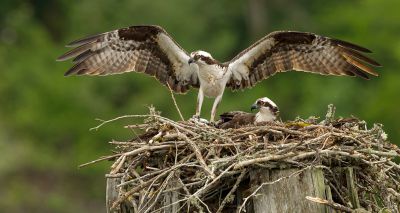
x,y
147,49
235,119
284,51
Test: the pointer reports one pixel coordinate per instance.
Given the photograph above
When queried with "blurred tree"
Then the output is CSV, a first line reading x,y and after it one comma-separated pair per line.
x,y
44,117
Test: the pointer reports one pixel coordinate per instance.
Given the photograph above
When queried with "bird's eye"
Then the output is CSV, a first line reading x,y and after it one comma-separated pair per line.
x,y
196,57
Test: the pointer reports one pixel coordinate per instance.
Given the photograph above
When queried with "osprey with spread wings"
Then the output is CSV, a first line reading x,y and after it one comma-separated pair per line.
x,y
149,49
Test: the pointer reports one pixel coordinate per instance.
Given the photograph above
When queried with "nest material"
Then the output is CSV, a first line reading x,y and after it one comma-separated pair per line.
x,y
208,164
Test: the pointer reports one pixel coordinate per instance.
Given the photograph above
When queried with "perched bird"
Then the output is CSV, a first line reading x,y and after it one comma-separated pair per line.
x,y
149,49
268,111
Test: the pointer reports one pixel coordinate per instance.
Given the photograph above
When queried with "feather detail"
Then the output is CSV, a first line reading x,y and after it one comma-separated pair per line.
x,y
147,49
284,51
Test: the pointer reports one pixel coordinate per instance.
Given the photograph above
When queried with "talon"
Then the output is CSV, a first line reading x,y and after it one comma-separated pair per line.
x,y
196,117
212,123
204,121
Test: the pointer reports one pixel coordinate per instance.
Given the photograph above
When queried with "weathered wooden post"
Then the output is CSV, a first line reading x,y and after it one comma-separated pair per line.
x,y
351,187
112,194
285,191
289,193
171,198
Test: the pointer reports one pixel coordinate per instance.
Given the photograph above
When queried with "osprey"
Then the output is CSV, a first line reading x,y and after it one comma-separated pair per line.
x,y
268,111
149,49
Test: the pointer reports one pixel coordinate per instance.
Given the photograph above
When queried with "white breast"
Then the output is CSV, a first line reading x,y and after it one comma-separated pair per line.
x,y
213,79
264,115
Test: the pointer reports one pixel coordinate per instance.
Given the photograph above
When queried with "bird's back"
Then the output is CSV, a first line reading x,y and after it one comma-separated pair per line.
x,y
235,119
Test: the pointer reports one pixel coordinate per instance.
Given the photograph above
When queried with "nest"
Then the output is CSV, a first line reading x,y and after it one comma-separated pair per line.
x,y
207,165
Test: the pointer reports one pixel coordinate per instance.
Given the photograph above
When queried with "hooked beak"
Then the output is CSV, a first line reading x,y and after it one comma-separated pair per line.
x,y
254,106
277,112
191,60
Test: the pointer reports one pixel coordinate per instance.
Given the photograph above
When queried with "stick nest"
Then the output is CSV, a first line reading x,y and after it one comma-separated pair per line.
x,y
207,165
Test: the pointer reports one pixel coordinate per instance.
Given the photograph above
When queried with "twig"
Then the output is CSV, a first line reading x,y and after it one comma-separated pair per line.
x,y
146,148
327,153
141,186
330,114
263,159
391,153
98,160
160,190
176,105
103,122
196,150
228,197
204,189
329,203
118,165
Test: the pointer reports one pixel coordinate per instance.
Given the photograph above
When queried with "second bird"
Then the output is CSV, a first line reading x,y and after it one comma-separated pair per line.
x,y
267,111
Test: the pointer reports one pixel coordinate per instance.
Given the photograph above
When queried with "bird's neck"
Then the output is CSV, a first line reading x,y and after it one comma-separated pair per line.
x,y
264,115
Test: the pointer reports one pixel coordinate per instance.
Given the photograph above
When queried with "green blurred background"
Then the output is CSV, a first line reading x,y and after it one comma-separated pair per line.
x,y
45,117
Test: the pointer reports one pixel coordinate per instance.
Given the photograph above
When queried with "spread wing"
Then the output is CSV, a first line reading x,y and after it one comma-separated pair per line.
x,y
283,51
147,49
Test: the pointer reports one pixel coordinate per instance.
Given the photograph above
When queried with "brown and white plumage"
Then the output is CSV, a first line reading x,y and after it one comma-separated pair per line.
x,y
147,49
283,51
235,119
151,50
268,111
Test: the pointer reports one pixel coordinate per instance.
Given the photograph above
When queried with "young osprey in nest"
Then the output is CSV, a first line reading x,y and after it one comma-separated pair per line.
x,y
149,49
268,111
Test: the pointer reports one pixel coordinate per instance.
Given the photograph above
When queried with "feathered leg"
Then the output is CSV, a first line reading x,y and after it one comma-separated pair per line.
x,y
200,98
215,106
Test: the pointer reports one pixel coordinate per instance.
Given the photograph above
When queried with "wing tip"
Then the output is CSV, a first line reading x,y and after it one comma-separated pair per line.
x,y
85,40
62,57
350,45
73,43
359,56
78,69
361,67
69,72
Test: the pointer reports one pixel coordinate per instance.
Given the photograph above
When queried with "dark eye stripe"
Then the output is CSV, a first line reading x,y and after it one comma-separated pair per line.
x,y
270,105
208,60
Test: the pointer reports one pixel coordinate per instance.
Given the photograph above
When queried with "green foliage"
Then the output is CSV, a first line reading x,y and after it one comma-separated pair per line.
x,y
45,117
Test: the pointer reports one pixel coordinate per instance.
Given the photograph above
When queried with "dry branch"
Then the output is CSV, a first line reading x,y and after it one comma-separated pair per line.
x,y
334,205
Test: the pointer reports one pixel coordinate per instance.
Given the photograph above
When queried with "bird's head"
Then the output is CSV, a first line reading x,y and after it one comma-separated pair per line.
x,y
265,105
201,57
